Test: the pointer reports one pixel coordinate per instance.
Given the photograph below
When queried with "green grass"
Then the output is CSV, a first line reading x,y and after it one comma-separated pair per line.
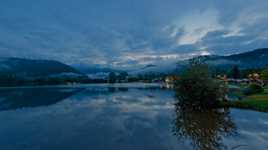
x,y
256,102
265,90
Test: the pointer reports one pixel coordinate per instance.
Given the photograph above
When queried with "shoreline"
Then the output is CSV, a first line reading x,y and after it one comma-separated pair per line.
x,y
116,85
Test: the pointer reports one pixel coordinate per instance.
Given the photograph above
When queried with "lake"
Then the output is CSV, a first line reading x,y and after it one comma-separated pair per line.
x,y
120,117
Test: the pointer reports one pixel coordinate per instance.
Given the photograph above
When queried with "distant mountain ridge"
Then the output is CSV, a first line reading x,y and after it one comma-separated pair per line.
x,y
91,69
30,68
34,68
155,69
253,59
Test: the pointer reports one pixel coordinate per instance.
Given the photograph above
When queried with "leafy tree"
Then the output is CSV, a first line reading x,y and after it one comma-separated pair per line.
x,y
122,76
112,77
245,72
264,74
253,88
196,87
235,73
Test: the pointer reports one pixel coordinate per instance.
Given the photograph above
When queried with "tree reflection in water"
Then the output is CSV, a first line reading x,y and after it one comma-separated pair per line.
x,y
205,129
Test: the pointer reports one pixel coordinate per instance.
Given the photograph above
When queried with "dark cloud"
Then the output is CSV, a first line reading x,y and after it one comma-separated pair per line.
x,y
127,32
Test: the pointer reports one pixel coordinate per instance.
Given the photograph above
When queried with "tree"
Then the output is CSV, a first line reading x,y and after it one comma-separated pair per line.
x,y
122,76
197,89
235,73
264,74
246,72
112,77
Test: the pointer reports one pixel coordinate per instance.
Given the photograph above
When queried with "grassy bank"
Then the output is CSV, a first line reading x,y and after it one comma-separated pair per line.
x,y
257,102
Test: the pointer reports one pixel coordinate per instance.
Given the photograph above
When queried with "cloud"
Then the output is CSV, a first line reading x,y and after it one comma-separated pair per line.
x,y
130,33
192,27
248,31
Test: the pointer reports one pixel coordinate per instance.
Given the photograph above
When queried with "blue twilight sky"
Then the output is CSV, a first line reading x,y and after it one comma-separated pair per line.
x,y
125,33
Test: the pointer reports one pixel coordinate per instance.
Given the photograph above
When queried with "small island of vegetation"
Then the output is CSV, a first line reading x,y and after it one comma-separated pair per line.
x,y
198,87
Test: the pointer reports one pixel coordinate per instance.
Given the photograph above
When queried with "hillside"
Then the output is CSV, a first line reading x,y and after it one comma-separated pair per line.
x,y
93,69
34,68
254,59
155,69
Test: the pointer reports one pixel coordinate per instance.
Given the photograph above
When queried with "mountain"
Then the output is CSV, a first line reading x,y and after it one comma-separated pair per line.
x,y
164,67
254,59
27,68
32,69
93,69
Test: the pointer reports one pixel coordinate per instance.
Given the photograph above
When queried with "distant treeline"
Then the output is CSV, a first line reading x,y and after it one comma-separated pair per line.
x,y
236,72
13,80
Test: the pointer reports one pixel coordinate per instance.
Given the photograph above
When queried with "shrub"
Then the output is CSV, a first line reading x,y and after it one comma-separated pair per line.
x,y
253,89
264,74
112,77
197,89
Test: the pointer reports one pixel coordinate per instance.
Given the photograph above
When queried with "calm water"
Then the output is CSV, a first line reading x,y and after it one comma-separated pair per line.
x,y
129,117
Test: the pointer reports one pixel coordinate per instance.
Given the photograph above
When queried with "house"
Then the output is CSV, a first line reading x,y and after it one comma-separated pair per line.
x,y
169,81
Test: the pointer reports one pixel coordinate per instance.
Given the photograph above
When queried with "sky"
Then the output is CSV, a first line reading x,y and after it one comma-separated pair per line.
x,y
128,33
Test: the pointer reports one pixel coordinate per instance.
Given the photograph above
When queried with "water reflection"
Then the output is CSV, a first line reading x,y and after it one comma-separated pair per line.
x,y
121,118
205,129
33,97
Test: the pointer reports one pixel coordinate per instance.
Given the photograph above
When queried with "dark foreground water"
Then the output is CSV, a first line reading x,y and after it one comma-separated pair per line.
x,y
120,118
